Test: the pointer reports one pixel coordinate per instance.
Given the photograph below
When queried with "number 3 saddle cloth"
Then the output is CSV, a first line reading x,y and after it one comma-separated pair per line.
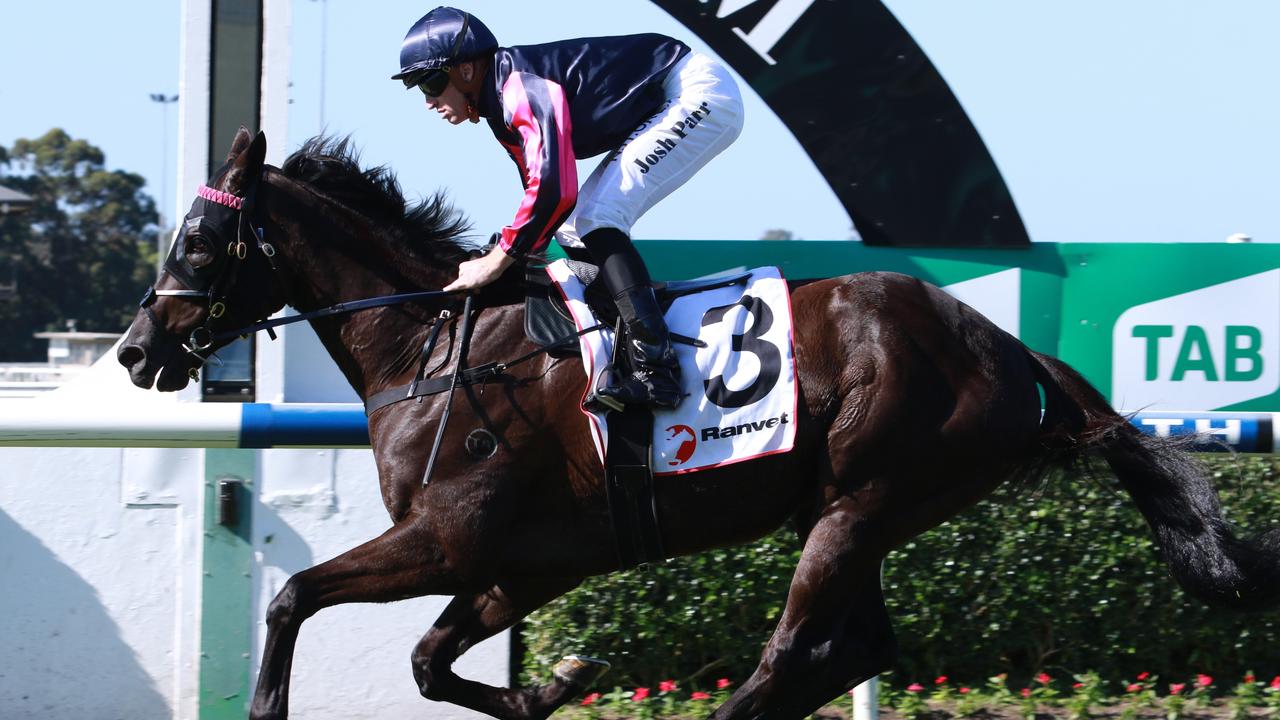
x,y
740,389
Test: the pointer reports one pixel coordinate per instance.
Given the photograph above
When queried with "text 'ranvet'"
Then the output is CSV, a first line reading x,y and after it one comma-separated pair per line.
x,y
718,433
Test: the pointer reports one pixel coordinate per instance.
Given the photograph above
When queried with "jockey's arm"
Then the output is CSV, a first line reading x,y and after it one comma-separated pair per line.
x,y
537,111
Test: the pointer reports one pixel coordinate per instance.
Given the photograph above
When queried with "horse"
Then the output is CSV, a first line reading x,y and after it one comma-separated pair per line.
x,y
912,407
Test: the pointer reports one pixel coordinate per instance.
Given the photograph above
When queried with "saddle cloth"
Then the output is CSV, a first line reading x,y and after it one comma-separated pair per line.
x,y
741,388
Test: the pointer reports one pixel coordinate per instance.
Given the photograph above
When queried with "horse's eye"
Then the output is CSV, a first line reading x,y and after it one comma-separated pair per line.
x,y
197,245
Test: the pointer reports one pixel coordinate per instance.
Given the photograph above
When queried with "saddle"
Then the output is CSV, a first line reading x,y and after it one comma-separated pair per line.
x,y
628,472
548,325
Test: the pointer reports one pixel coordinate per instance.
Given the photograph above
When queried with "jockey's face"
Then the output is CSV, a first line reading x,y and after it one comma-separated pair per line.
x,y
452,104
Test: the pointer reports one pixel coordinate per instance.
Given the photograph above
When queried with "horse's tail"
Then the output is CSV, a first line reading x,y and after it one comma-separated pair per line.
x,y
1171,489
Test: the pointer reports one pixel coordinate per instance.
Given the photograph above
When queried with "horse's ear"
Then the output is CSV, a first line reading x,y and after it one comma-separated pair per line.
x,y
239,143
247,164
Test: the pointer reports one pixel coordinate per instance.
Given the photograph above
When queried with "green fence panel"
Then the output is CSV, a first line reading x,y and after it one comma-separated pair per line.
x,y
1192,326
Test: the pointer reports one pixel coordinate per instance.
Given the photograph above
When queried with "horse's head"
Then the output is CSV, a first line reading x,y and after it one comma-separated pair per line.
x,y
217,277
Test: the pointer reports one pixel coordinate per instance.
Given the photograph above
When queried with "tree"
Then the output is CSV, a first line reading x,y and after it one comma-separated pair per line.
x,y
84,251
778,234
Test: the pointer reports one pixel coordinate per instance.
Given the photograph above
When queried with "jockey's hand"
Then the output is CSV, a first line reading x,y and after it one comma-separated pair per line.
x,y
477,273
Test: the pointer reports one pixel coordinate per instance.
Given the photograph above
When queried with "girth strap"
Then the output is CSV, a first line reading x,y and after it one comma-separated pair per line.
x,y
629,485
478,375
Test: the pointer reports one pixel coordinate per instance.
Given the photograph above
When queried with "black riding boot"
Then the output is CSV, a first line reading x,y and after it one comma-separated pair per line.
x,y
655,377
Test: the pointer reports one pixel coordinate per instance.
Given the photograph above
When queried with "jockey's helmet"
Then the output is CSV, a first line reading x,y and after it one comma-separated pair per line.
x,y
440,38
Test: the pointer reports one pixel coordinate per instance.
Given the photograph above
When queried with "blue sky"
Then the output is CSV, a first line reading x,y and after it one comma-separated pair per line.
x,y
1145,120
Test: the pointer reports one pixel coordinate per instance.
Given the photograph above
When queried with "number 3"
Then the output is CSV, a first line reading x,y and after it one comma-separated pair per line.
x,y
767,353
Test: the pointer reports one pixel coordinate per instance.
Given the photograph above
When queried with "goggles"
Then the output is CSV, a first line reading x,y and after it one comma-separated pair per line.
x,y
434,83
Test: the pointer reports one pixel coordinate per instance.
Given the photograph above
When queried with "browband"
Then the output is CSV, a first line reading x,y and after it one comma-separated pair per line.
x,y
222,198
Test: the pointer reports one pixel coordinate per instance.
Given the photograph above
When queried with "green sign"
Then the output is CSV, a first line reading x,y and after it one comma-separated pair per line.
x,y
1153,326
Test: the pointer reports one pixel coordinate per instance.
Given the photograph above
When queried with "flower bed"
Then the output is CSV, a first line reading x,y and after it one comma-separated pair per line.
x,y
1145,697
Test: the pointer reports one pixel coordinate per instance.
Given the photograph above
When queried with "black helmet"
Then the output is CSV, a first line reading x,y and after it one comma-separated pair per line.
x,y
442,37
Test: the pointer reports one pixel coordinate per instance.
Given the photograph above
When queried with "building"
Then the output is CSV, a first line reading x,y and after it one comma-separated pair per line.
x,y
70,354
12,201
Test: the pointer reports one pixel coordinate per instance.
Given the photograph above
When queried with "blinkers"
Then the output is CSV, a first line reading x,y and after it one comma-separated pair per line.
x,y
213,226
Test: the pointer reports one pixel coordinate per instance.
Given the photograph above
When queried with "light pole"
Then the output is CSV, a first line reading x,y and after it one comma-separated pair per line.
x,y
324,53
165,101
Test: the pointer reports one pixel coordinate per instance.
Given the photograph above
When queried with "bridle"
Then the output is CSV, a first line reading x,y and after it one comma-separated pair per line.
x,y
209,216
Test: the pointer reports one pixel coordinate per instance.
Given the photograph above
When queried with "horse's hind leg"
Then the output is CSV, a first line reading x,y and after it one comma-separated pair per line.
x,y
834,633
470,619
403,562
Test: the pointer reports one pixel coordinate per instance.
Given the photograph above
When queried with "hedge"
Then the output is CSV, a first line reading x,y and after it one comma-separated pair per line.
x,y
1064,582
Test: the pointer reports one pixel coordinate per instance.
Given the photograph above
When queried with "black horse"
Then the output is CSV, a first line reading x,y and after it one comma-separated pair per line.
x,y
913,407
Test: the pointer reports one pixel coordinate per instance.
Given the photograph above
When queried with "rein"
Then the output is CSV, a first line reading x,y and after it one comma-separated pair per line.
x,y
208,280
341,308
197,284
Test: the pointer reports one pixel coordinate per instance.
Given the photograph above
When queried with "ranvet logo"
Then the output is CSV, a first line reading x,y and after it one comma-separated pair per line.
x,y
687,446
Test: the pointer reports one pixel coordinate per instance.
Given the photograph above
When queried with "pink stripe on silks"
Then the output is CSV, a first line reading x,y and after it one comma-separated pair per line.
x,y
530,156
568,163
222,198
524,122
527,125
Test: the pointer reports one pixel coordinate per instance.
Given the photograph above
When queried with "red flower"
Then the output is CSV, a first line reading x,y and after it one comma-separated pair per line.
x,y
1043,678
1204,680
1026,692
667,686
1077,686
723,683
1132,687
1144,675
964,691
1175,688
639,694
1249,678
940,680
914,687
699,696
591,699
1275,683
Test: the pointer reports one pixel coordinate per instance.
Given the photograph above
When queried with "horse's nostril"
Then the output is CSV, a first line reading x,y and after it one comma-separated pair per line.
x,y
130,355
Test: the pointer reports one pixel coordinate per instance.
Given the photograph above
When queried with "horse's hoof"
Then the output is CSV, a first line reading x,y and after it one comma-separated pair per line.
x,y
580,670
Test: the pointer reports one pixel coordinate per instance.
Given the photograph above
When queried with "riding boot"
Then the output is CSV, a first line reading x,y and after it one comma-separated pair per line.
x,y
655,376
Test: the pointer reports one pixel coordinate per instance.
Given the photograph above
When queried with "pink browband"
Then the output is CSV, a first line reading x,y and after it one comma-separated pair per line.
x,y
220,197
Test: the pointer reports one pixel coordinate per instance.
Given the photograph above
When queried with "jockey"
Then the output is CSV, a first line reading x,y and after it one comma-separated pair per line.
x,y
659,110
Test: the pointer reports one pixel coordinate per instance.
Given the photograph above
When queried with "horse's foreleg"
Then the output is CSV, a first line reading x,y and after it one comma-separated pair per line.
x,y
403,562
834,632
470,619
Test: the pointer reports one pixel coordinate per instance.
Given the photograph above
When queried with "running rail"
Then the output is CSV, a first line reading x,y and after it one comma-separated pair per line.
x,y
36,423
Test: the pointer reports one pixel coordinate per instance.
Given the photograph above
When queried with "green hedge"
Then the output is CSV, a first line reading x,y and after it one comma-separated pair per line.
x,y
1063,582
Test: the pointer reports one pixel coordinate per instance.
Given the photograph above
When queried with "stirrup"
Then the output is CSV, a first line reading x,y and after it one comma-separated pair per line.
x,y
638,389
595,402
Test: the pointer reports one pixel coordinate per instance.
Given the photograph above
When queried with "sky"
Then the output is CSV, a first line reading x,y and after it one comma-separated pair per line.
x,y
1143,120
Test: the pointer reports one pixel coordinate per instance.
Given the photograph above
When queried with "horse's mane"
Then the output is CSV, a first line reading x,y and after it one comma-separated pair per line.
x,y
331,166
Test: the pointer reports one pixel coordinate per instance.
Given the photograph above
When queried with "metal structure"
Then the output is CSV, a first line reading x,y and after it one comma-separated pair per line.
x,y
342,425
